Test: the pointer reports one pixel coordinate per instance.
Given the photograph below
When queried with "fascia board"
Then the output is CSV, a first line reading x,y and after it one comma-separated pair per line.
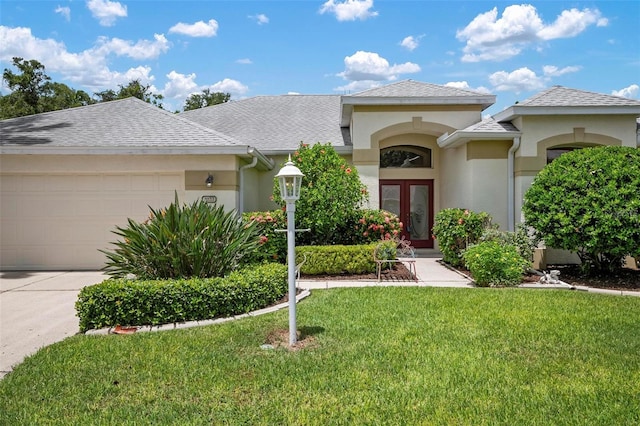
x,y
519,111
191,150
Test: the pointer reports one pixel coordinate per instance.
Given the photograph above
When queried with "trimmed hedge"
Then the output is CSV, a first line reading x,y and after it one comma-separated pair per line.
x,y
153,302
336,259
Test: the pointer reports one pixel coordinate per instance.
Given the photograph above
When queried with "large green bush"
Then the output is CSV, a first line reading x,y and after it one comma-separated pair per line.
x,y
152,302
493,263
331,194
588,201
182,241
456,229
524,243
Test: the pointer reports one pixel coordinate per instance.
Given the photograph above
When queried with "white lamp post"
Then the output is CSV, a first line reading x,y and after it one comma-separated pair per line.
x,y
290,179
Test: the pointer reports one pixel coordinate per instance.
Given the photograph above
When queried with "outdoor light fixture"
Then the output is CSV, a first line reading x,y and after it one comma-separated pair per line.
x,y
209,181
290,179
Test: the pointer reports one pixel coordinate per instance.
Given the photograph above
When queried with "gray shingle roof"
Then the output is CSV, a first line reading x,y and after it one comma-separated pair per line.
x,y
487,129
416,89
277,123
491,125
122,123
564,96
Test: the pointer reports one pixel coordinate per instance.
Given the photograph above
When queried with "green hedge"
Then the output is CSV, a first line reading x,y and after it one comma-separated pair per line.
x,y
152,302
336,259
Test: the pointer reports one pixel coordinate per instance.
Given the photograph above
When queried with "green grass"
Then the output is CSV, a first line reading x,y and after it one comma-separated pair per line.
x,y
381,356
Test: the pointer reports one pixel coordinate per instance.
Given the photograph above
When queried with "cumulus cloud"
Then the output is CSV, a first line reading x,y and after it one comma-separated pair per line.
x,y
64,11
520,80
553,71
489,37
180,86
198,29
106,12
349,10
142,49
244,61
260,18
88,68
410,42
227,85
465,85
630,92
370,66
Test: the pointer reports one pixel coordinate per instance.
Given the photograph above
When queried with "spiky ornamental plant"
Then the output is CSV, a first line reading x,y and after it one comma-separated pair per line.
x,y
196,240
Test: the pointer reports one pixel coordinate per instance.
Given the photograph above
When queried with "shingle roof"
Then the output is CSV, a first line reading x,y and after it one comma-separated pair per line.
x,y
416,89
491,125
117,124
564,96
276,123
487,129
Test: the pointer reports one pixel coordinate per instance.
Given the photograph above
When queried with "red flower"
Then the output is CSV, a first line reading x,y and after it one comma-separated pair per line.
x,y
348,170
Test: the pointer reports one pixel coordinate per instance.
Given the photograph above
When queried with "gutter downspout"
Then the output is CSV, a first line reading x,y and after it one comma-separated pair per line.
x,y
251,151
511,197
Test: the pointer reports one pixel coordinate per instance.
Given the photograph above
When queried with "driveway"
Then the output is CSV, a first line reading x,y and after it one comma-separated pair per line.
x,y
36,310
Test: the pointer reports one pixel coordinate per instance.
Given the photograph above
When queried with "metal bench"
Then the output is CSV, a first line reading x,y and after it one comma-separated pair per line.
x,y
404,254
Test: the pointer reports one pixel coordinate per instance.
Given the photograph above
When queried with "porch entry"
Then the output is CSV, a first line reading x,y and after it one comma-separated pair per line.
x,y
412,202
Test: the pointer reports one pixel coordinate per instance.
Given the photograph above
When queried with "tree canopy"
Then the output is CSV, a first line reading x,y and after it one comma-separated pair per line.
x,y
205,99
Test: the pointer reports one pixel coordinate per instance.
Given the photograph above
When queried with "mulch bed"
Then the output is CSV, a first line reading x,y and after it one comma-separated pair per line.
x,y
398,273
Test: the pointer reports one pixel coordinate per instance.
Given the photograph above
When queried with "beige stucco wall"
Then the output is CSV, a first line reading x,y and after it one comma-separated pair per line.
x,y
57,211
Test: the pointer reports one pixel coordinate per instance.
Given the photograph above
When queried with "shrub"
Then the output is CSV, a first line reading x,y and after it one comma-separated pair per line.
x,y
588,201
196,240
374,225
273,245
336,259
152,302
456,229
524,243
492,263
331,192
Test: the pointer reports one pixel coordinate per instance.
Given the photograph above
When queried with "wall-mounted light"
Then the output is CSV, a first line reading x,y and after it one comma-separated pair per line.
x,y
209,181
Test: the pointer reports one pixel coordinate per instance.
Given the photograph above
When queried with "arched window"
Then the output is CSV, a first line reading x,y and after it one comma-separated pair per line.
x,y
405,156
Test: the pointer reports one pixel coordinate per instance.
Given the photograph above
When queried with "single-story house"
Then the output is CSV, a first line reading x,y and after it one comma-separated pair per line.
x,y
69,177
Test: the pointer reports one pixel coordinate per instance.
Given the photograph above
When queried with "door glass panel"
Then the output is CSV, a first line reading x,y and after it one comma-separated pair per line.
x,y
419,212
390,199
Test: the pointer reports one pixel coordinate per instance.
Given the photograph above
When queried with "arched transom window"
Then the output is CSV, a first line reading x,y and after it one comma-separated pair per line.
x,y
405,156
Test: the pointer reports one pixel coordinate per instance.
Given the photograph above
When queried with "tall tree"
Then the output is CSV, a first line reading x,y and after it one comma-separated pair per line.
x,y
133,89
205,99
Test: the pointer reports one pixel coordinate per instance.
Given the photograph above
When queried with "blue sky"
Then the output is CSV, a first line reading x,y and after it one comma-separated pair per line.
x,y
250,48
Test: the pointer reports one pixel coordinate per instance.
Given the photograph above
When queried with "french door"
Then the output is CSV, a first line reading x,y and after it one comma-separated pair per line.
x,y
412,202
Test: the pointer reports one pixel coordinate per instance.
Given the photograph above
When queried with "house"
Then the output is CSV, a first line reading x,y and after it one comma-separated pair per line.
x,y
69,177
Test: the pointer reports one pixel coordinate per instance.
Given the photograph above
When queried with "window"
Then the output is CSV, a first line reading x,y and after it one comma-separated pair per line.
x,y
405,156
553,153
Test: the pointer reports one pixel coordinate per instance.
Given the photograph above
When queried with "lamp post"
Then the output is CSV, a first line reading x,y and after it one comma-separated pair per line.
x,y
290,179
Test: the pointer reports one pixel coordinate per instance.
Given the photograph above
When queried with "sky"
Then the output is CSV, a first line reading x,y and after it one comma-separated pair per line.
x,y
250,48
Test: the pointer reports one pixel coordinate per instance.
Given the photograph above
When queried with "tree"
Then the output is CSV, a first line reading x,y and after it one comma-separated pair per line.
x,y
33,92
588,201
330,198
197,100
133,89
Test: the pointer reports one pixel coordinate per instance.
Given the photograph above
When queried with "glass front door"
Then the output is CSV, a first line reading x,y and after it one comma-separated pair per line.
x,y
412,202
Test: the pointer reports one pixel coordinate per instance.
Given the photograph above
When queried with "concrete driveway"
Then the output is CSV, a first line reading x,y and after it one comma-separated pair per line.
x,y
36,310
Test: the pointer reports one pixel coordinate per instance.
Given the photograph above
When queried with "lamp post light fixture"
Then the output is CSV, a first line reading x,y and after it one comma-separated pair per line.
x,y
290,179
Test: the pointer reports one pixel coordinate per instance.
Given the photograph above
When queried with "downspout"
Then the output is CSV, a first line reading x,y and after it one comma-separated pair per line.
x,y
251,151
511,196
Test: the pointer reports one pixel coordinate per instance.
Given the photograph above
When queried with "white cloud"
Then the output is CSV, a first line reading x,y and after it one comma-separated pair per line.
x,y
180,86
88,68
198,29
410,42
371,66
349,10
227,85
488,37
520,80
244,61
106,12
142,49
630,92
553,71
465,85
64,11
260,18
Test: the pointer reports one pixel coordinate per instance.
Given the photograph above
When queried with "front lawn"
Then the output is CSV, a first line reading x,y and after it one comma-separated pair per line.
x,y
377,355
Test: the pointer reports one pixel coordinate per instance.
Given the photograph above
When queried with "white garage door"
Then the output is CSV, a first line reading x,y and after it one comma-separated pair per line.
x,y
60,221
